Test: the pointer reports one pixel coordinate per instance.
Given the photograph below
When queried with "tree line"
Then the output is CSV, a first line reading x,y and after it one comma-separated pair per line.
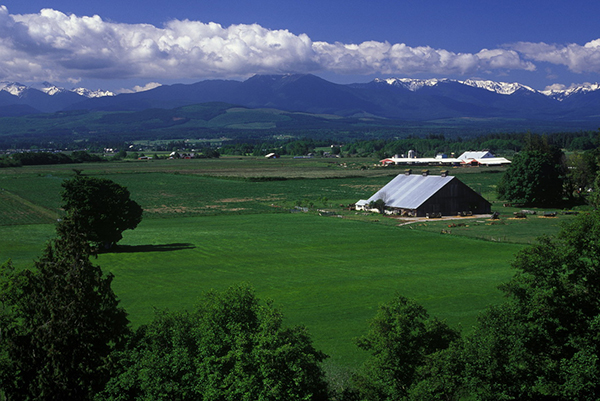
x,y
42,158
542,175
341,144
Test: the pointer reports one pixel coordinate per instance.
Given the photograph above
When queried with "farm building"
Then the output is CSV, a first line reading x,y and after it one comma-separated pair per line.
x,y
483,154
422,195
480,158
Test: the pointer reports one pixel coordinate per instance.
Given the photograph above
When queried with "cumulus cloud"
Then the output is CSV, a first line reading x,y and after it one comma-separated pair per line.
x,y
138,88
377,57
51,45
577,58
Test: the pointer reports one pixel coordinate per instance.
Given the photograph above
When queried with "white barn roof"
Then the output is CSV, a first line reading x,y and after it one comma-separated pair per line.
x,y
410,191
475,155
493,161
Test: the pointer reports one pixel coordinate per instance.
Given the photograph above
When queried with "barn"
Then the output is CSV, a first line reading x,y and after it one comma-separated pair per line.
x,y
422,195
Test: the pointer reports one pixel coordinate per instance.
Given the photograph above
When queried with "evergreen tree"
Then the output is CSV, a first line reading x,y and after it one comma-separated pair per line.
x,y
61,321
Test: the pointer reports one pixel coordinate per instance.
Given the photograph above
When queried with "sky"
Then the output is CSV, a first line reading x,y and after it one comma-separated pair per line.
x,y
132,45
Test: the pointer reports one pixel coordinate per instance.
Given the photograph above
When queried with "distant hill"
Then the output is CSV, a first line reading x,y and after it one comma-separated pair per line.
x,y
404,99
297,102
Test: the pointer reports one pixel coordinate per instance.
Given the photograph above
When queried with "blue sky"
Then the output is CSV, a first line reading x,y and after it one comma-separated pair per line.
x,y
129,44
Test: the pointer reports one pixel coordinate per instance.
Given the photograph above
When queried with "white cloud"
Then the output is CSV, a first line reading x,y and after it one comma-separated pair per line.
x,y
137,88
555,88
54,46
577,58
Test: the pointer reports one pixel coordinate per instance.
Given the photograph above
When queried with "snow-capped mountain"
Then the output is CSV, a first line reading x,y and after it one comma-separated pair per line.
x,y
560,92
14,88
390,98
18,99
502,88
412,85
93,94
17,89
47,88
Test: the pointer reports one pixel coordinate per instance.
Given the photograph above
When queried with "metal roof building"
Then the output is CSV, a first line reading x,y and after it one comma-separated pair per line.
x,y
475,155
424,194
484,158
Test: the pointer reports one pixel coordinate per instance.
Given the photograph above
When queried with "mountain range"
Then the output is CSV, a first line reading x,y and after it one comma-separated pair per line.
x,y
392,98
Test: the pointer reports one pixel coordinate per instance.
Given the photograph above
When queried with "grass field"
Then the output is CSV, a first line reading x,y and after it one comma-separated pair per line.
x,y
215,223
324,272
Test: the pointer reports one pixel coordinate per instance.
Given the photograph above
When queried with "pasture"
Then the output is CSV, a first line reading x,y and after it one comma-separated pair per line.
x,y
212,223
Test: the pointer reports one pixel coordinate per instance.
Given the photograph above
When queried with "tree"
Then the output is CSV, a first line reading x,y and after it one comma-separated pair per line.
x,y
61,322
100,208
379,204
533,178
543,343
582,170
401,338
232,347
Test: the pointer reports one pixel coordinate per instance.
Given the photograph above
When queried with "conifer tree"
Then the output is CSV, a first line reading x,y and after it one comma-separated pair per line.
x,y
61,323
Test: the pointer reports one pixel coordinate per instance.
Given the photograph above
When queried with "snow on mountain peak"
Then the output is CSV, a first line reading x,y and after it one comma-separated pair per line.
x,y
561,92
48,88
17,89
557,91
92,94
411,84
503,88
14,88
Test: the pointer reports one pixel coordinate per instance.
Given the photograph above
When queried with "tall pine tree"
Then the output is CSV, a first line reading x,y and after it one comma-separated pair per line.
x,y
61,323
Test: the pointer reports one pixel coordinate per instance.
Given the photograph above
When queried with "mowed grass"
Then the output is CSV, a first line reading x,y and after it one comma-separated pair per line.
x,y
505,229
15,210
167,194
24,243
327,273
210,224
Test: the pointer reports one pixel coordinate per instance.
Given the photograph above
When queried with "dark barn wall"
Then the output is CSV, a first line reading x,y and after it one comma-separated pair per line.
x,y
453,198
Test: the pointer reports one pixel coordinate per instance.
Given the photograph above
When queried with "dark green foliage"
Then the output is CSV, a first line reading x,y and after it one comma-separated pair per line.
x,y
100,208
544,343
60,323
594,197
401,338
232,347
582,170
379,204
442,375
41,158
9,162
533,178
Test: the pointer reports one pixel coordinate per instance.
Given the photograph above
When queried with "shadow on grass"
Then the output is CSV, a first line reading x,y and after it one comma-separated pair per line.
x,y
149,248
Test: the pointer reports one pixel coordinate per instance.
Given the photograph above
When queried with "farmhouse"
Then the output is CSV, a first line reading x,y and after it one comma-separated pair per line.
x,y
422,195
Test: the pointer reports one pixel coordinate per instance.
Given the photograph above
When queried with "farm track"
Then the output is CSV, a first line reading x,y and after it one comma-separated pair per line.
x,y
7,195
411,220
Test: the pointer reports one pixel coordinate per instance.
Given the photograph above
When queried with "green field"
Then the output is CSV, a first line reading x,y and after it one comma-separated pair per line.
x,y
214,223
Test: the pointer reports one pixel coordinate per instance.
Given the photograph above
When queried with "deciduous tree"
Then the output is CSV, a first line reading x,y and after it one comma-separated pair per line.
x,y
544,343
232,347
401,338
533,178
100,208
